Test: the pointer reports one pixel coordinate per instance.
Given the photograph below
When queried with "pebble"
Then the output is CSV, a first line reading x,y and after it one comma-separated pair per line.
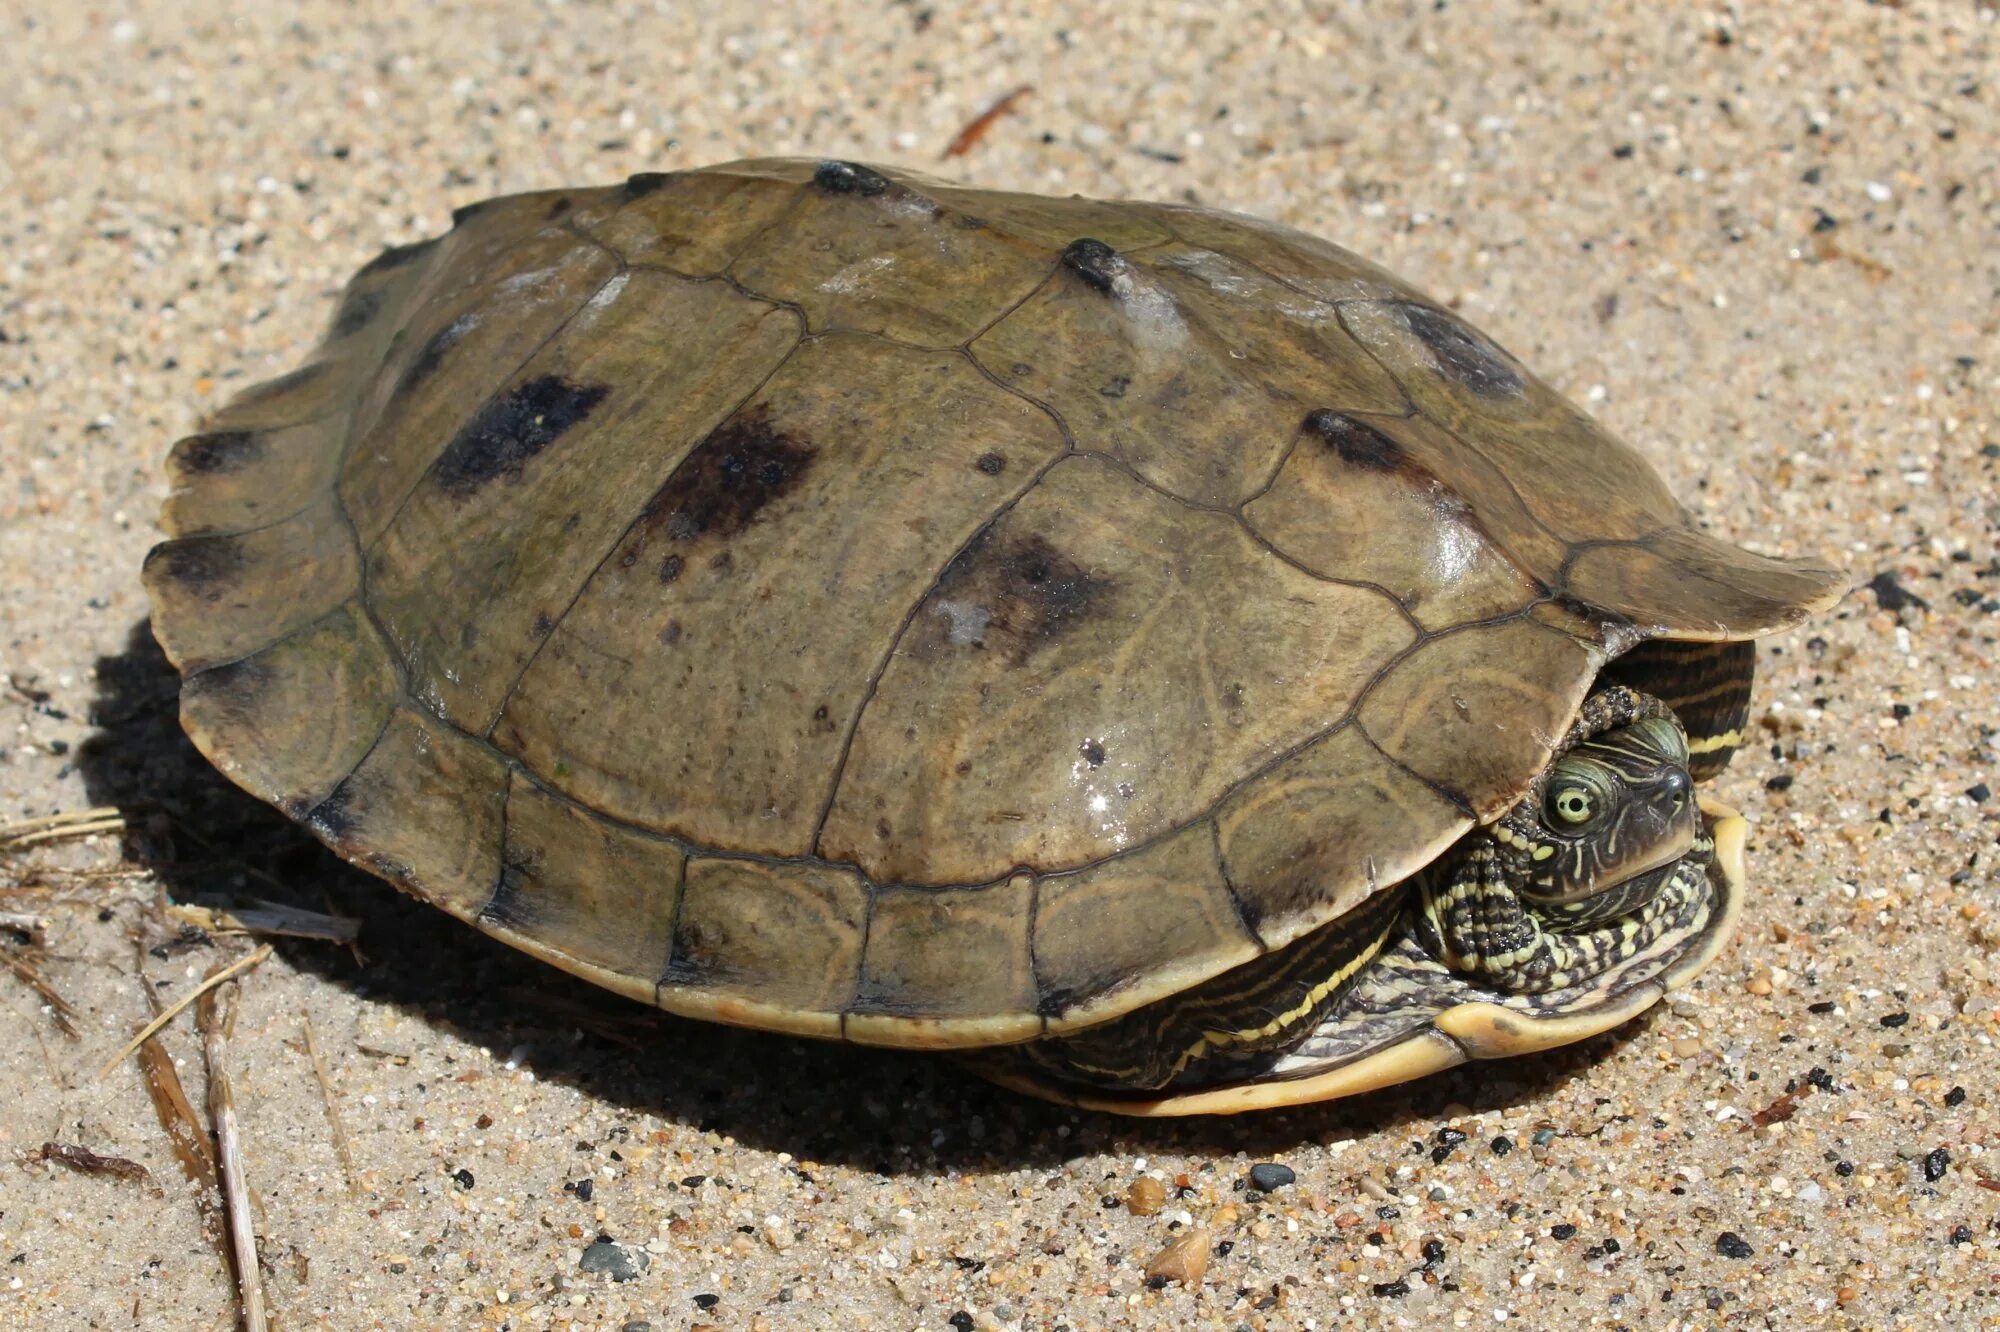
x,y
620,1262
1184,1261
1936,1163
1146,1196
1732,1245
1271,1176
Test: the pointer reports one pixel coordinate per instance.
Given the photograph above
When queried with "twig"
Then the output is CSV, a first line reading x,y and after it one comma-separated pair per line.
x,y
86,1162
216,1027
975,129
60,1009
332,1110
55,827
185,1135
213,979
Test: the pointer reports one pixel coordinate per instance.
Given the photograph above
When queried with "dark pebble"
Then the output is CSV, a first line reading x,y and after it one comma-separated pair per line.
x,y
1433,1252
1961,1235
694,1181
1823,1006
961,1320
1731,1245
1820,1078
1891,595
614,1260
1843,1168
1270,1176
1562,1230
1936,1163
463,1178
583,1188
1893,1019
1502,1145
1980,793
1955,1097
705,1301
1396,1289
1543,1137
1782,782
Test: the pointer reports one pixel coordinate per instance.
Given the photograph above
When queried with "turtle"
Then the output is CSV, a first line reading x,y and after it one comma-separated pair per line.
x,y
1154,653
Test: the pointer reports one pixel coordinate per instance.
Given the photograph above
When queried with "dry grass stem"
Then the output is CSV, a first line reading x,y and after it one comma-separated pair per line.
x,y
217,1020
168,1014
340,1148
60,1009
58,827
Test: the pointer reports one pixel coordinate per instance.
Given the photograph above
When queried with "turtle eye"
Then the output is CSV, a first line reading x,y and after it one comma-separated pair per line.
x,y
1571,806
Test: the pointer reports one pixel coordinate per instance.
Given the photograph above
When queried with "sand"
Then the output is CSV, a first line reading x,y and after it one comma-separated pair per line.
x,y
1757,241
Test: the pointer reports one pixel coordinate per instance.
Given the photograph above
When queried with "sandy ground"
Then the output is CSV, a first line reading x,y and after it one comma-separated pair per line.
x,y
1759,241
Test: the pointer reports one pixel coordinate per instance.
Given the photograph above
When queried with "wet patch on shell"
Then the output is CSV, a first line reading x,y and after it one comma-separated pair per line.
x,y
511,429
1462,353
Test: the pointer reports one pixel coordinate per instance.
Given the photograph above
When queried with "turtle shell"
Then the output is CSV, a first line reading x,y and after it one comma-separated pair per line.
x,y
838,601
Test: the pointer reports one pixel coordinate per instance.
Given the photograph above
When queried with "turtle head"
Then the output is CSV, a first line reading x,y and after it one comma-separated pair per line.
x,y
1614,805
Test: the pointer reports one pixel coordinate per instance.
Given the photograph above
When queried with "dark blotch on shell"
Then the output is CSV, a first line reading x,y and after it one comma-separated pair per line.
x,y
511,429
513,901
642,183
357,311
396,256
1095,262
431,358
220,452
1022,593
200,562
333,818
1463,353
1357,444
721,487
850,178
466,212
991,463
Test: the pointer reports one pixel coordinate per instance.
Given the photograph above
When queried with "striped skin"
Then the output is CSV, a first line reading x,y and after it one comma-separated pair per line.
x,y
1708,687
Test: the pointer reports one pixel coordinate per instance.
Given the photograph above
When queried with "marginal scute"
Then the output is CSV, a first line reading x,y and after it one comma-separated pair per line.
x,y
787,938
1310,265
536,489
233,480
1350,502
582,890
290,721
1477,712
219,597
1137,927
1095,609
915,979
1680,581
707,676
424,810
1188,366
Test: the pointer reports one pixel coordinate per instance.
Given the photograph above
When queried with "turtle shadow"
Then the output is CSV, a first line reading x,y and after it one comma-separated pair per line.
x,y
885,1111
